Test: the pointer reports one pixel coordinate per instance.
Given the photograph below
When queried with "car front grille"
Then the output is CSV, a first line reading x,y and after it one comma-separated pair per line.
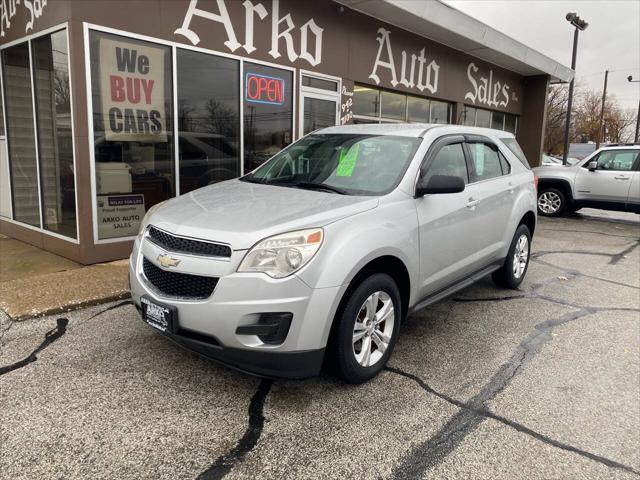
x,y
177,244
181,285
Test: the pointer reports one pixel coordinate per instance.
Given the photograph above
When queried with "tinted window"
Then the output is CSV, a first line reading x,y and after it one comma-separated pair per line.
x,y
418,109
619,160
394,105
366,101
513,145
356,164
485,161
439,112
268,113
208,119
504,163
448,161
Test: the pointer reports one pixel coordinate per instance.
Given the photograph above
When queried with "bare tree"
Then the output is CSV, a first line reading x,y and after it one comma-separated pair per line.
x,y
556,114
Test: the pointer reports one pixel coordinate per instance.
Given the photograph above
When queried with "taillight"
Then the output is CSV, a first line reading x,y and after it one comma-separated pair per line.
x,y
535,181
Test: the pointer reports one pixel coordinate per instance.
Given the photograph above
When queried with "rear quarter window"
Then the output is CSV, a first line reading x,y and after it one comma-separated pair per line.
x,y
513,145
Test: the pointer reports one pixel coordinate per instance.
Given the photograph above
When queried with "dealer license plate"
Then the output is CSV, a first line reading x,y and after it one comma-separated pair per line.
x,y
159,316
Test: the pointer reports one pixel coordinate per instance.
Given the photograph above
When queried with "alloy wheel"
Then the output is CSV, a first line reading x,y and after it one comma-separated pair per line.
x,y
520,256
373,329
549,202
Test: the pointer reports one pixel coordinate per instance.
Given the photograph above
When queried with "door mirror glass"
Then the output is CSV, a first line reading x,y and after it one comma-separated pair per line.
x,y
592,166
440,184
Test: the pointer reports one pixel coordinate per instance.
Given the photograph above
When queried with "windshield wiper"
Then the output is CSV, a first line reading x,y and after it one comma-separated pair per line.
x,y
319,186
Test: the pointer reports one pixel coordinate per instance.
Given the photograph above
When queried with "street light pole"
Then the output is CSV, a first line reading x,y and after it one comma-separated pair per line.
x,y
637,137
580,24
604,98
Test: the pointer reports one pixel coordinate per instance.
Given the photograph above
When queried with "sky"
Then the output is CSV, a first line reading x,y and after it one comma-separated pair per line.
x,y
610,42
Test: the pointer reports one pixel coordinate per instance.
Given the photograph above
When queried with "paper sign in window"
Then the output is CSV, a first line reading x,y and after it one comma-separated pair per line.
x,y
347,161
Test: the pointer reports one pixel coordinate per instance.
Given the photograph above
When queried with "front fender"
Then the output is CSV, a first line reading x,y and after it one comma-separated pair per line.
x,y
391,229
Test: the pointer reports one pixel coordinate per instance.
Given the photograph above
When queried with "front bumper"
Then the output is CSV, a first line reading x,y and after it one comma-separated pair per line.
x,y
208,327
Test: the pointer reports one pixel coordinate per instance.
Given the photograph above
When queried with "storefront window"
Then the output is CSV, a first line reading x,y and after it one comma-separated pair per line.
x,y
55,141
483,118
1,114
21,134
418,109
439,112
268,113
497,120
208,119
468,116
319,83
394,105
132,125
510,123
366,101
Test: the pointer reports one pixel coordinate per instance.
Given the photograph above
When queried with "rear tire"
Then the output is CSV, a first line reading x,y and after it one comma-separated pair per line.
x,y
367,329
516,264
551,202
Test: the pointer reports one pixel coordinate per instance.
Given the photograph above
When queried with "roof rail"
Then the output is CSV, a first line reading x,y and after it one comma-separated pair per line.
x,y
631,144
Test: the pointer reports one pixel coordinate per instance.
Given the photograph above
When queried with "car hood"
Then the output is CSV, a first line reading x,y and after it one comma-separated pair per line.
x,y
242,213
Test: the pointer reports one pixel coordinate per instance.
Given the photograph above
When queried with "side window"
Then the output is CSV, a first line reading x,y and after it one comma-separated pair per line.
x,y
485,160
448,161
504,163
617,160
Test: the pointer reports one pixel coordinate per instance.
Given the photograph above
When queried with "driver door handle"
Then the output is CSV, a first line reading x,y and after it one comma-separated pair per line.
x,y
621,177
472,203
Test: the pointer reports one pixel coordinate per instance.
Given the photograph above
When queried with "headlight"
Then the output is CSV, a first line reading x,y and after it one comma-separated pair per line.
x,y
282,255
147,215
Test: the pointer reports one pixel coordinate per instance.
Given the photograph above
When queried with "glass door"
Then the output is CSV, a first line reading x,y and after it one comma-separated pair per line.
x,y
318,113
319,103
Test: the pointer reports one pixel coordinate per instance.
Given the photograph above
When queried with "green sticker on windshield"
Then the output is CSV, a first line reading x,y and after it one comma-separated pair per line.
x,y
347,161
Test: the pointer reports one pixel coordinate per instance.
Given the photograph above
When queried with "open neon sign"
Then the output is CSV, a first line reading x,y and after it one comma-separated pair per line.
x,y
264,89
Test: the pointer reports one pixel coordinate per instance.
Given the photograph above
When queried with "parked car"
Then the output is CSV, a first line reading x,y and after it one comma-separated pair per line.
x,y
549,161
609,179
324,250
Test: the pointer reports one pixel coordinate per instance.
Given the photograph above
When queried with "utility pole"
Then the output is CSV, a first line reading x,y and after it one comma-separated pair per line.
x,y
637,138
638,124
601,135
579,24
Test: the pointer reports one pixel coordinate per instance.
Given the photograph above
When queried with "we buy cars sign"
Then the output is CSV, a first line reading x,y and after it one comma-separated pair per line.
x,y
132,91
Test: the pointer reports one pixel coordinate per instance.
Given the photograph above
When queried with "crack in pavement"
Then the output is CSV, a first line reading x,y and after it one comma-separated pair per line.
x,y
223,464
482,412
437,447
51,336
585,231
614,258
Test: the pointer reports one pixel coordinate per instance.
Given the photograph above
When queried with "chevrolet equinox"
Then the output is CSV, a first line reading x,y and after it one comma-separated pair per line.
x,y
321,252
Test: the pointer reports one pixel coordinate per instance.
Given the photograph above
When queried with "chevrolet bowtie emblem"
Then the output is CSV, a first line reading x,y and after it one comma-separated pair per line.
x,y
168,261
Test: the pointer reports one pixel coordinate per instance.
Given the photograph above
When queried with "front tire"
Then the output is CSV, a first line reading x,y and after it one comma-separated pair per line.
x,y
551,202
368,328
516,264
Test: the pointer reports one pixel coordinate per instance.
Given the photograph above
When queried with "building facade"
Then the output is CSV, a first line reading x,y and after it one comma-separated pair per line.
x,y
111,107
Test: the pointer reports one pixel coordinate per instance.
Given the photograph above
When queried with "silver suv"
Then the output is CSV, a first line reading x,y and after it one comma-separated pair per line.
x,y
321,252
609,178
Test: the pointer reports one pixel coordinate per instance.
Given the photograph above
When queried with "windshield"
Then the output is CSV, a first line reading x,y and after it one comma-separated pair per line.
x,y
349,164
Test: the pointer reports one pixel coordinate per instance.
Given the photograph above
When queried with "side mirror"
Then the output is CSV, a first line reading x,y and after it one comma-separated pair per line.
x,y
592,166
440,184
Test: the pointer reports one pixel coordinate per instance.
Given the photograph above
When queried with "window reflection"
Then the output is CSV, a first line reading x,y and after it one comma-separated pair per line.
x,y
20,134
55,142
268,113
133,124
208,119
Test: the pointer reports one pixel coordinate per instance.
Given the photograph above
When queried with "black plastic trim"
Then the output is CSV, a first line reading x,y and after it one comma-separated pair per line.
x,y
293,365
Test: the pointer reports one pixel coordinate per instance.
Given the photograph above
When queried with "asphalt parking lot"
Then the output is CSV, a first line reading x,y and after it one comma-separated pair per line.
x,y
543,382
